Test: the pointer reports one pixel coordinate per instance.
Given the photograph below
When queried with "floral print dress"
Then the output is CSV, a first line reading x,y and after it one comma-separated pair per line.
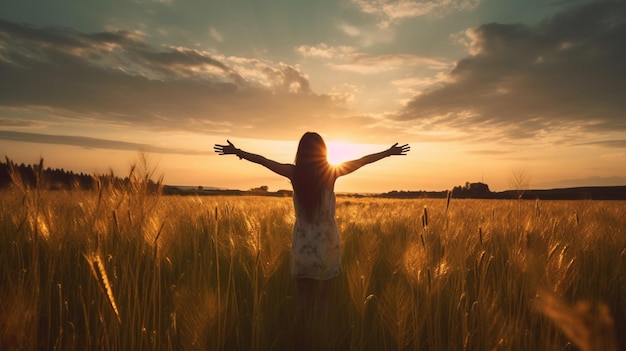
x,y
316,246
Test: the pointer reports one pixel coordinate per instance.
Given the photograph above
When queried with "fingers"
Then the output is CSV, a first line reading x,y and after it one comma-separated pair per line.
x,y
401,150
221,149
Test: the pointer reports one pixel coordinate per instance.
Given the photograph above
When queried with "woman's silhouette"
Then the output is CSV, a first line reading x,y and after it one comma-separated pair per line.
x,y
316,245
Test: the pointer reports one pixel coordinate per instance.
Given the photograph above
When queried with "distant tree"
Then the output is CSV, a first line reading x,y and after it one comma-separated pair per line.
x,y
519,180
286,193
472,190
44,177
262,188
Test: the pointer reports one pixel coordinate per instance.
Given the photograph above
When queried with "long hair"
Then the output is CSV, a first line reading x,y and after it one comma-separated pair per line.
x,y
312,173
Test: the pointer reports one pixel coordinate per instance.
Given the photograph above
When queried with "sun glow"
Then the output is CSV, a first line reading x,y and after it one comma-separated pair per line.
x,y
340,151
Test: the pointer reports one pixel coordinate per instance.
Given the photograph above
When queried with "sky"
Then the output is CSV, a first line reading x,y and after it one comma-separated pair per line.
x,y
482,90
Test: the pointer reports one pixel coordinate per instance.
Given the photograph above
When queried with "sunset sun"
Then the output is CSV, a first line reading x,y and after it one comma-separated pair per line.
x,y
342,151
339,152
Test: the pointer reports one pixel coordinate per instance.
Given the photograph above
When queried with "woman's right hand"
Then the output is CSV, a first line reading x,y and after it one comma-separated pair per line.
x,y
399,150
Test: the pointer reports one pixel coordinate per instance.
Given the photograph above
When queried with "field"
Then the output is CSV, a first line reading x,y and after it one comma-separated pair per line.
x,y
125,269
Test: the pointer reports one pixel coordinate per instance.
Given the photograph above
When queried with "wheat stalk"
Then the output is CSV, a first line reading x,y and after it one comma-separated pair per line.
x,y
98,271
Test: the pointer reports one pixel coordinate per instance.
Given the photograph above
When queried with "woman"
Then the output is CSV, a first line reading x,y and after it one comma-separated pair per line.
x,y
316,245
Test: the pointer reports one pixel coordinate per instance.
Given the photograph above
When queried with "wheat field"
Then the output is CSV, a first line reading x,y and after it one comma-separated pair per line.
x,y
122,268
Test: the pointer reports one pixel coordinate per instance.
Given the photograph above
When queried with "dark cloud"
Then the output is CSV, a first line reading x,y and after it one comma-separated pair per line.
x,y
15,122
92,143
565,74
617,143
116,77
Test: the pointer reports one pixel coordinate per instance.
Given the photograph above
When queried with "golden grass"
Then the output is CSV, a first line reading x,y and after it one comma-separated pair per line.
x,y
121,269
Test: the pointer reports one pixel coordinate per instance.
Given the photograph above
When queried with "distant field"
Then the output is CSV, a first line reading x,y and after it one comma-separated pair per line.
x,y
121,269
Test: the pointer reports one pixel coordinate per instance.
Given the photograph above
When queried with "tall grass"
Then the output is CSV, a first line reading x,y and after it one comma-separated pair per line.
x,y
125,268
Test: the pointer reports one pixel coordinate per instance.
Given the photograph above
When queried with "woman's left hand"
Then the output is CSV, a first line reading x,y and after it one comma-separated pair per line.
x,y
229,149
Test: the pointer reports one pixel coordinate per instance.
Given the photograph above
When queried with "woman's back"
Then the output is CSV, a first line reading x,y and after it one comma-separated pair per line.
x,y
316,244
325,210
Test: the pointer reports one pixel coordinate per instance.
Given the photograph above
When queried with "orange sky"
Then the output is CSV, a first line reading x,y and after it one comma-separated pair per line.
x,y
479,88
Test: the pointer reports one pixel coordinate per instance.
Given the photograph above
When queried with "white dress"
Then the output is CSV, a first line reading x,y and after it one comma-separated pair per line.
x,y
316,245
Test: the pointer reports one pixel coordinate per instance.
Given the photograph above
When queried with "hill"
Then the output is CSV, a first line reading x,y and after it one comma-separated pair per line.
x,y
481,191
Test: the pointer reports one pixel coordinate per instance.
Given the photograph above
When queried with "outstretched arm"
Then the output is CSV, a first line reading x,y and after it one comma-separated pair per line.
x,y
283,169
351,166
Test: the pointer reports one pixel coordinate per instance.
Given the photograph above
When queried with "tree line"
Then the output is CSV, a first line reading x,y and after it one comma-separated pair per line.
x,y
38,176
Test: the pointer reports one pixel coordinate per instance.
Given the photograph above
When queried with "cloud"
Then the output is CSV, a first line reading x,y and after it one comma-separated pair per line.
x,y
349,30
564,76
15,122
215,34
613,143
375,64
347,58
94,143
323,50
411,84
390,11
116,77
366,34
